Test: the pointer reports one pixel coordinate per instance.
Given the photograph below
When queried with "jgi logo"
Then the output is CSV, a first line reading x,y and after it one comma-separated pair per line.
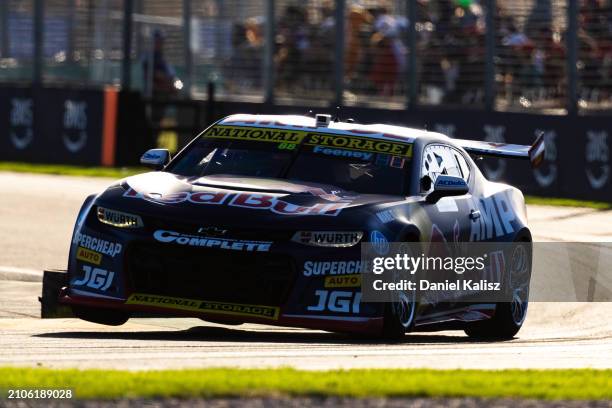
x,y
75,125
336,301
21,121
597,158
95,278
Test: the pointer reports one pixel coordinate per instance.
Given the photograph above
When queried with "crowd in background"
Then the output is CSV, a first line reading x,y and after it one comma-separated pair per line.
x,y
228,44
530,50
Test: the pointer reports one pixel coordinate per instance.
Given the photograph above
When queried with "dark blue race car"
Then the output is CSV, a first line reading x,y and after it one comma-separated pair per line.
x,y
261,219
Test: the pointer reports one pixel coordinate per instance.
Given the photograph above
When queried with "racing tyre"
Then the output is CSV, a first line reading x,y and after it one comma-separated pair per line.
x,y
399,317
108,317
509,316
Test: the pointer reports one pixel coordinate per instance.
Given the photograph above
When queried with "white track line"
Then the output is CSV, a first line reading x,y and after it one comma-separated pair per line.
x,y
20,274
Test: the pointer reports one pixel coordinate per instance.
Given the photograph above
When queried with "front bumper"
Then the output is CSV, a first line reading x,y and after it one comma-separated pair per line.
x,y
291,285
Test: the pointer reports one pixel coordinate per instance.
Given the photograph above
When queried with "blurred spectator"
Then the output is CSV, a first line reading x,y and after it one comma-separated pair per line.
x,y
244,67
318,57
358,23
161,82
388,51
540,17
595,49
453,60
292,41
548,59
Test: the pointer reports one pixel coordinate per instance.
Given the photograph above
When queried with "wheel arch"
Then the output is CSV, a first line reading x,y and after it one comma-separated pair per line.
x,y
409,233
523,235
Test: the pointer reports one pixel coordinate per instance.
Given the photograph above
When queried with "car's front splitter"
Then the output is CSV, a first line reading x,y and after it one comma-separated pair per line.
x,y
350,324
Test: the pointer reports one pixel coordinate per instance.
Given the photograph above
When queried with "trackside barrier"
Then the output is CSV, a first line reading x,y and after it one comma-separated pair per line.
x,y
88,127
52,125
47,125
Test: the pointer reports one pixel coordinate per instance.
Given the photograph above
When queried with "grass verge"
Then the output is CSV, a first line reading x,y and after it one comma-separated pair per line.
x,y
69,170
582,384
567,202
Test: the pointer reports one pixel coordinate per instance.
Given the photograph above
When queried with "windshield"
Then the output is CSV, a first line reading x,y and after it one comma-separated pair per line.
x,y
353,163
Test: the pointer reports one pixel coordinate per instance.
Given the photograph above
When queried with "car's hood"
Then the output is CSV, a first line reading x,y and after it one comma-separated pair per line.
x,y
231,199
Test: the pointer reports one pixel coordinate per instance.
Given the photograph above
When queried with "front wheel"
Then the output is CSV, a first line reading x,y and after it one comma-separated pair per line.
x,y
509,316
399,317
108,317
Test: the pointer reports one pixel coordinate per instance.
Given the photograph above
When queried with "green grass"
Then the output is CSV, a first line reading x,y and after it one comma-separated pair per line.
x,y
69,170
583,384
568,202
116,173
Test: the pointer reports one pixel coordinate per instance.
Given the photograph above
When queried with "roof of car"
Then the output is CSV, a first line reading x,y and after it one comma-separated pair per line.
x,y
297,122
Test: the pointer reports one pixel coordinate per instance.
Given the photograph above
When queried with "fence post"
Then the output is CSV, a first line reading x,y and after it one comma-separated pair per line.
x,y
268,58
71,47
39,21
572,57
219,38
187,47
126,62
339,54
412,94
490,55
4,31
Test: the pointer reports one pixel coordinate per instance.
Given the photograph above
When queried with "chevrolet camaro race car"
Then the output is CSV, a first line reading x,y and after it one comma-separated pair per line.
x,y
261,218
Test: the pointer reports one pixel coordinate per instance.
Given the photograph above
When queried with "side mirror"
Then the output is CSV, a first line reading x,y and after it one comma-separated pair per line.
x,y
155,158
447,186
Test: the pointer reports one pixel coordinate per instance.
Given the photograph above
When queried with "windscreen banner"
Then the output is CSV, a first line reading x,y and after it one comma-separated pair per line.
x,y
577,162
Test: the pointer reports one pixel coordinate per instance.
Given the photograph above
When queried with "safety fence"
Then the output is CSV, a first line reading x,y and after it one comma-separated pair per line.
x,y
551,56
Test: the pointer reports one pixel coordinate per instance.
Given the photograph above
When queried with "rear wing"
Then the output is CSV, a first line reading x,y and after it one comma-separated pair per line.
x,y
534,153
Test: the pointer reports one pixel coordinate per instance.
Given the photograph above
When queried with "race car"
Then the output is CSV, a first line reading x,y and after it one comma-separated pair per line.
x,y
260,219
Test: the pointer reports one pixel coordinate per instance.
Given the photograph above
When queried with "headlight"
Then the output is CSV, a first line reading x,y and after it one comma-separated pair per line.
x,y
334,239
118,219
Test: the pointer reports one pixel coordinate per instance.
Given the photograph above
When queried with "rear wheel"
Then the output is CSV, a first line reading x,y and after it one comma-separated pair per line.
x,y
108,317
509,316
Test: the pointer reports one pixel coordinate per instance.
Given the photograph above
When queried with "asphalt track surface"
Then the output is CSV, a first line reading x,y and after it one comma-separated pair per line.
x,y
36,218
